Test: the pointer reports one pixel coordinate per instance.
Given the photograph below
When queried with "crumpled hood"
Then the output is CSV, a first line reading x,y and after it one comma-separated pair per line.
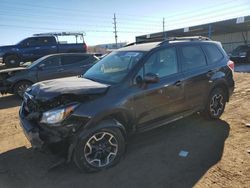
x,y
50,89
13,69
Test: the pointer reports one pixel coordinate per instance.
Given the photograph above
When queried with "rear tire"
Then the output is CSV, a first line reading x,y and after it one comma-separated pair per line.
x,y
21,87
216,104
12,61
100,150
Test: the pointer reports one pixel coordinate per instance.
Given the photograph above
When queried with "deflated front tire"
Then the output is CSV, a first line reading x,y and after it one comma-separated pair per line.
x,y
100,150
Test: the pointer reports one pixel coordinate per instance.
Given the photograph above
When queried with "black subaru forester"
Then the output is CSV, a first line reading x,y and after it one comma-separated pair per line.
x,y
133,89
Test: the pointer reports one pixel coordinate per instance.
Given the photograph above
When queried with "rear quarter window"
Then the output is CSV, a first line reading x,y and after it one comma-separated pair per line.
x,y
214,55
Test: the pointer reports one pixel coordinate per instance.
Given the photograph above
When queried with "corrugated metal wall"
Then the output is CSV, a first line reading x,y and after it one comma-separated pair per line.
x,y
232,40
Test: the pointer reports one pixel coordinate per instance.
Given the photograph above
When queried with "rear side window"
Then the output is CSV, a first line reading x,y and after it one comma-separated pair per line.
x,y
69,60
213,53
192,57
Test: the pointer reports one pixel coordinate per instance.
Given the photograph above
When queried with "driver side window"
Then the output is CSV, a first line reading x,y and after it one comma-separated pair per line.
x,y
162,63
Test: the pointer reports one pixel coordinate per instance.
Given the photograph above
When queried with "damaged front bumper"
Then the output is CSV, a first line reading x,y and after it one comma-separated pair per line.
x,y
31,132
38,137
58,140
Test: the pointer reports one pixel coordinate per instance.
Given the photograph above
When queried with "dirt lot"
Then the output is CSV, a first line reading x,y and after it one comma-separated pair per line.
x,y
217,156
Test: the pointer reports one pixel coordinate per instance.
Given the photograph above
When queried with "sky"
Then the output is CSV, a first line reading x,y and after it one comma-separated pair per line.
x,y
21,19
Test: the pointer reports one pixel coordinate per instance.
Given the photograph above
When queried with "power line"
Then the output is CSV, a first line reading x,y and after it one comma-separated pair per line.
x,y
143,26
138,26
63,29
86,11
171,17
136,20
30,20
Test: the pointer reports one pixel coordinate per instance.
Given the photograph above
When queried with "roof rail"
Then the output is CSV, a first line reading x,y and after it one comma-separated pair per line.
x,y
142,42
191,38
130,44
61,34
167,40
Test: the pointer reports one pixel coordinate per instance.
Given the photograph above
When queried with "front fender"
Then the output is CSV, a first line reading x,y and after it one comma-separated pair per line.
x,y
104,124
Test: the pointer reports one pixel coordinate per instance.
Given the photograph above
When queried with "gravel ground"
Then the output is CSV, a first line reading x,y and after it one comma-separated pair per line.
x,y
217,155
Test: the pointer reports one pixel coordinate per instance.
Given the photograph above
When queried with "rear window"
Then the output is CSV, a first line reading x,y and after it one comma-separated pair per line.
x,y
192,57
213,53
68,60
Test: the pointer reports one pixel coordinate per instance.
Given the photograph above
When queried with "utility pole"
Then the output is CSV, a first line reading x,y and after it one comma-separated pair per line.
x,y
163,28
115,30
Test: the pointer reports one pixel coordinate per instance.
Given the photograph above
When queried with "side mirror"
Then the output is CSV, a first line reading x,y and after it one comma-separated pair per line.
x,y
151,78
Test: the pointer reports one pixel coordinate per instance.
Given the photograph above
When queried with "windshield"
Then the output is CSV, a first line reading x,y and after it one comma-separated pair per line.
x,y
114,67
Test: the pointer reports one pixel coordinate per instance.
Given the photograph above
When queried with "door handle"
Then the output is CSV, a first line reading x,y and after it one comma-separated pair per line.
x,y
178,83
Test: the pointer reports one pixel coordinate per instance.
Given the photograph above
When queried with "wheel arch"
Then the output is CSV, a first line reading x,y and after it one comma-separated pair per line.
x,y
19,81
223,85
119,118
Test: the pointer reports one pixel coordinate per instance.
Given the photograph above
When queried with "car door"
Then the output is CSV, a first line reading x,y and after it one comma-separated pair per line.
x,y
160,100
196,75
35,47
75,64
50,68
28,49
46,46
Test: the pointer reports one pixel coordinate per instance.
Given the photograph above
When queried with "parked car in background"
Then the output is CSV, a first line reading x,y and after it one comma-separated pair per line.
x,y
17,80
38,46
241,54
133,89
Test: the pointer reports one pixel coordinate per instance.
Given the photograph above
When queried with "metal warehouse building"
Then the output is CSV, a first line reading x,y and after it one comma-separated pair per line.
x,y
231,33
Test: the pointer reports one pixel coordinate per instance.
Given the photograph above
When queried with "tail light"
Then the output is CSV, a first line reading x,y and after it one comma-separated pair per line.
x,y
230,64
85,46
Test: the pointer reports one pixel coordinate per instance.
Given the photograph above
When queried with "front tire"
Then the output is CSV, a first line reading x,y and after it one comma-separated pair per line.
x,y
100,150
216,104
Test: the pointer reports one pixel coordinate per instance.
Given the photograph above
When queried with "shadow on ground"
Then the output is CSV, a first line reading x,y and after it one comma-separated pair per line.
x,y
151,160
9,101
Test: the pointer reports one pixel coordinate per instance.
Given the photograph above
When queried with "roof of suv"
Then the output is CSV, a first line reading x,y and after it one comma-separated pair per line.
x,y
147,46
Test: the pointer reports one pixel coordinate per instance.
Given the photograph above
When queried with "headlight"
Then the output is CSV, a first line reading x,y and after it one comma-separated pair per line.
x,y
57,115
242,54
